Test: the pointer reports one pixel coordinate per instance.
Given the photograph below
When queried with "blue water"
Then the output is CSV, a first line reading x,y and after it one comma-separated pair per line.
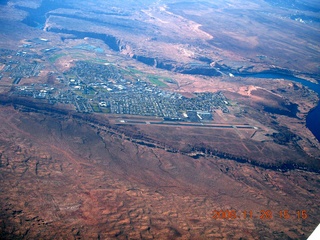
x,y
313,121
313,118
315,87
3,2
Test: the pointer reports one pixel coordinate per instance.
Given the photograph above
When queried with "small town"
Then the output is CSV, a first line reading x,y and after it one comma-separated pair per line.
x,y
96,87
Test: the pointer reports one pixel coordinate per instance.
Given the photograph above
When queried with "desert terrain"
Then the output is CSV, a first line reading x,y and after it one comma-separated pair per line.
x,y
159,119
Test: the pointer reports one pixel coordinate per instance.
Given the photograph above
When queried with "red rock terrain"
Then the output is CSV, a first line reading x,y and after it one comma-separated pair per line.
x,y
64,177
71,175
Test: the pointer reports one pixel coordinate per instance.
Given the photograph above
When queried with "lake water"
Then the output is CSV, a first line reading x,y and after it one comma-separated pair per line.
x,y
313,118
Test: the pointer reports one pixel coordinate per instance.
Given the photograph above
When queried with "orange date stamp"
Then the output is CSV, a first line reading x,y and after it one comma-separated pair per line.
x,y
262,214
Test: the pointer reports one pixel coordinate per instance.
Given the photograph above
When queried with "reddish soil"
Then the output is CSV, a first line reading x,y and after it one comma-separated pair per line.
x,y
65,178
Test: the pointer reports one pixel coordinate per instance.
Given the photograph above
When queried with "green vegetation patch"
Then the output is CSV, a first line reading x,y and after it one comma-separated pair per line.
x,y
54,58
78,55
95,107
134,71
131,73
98,61
91,91
156,81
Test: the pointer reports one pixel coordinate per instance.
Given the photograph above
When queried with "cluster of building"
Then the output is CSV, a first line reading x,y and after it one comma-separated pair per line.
x,y
106,86
142,99
93,87
18,65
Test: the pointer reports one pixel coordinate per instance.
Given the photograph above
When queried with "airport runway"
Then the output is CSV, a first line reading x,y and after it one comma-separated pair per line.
x,y
189,124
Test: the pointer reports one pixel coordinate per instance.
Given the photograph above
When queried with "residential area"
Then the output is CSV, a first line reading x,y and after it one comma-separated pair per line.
x,y
102,87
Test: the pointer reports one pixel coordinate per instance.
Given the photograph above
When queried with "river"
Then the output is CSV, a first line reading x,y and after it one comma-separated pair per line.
x,y
313,118
37,19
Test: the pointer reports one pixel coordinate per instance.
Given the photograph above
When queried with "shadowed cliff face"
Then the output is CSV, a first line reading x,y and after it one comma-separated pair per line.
x,y
70,177
121,27
116,45
111,41
73,175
